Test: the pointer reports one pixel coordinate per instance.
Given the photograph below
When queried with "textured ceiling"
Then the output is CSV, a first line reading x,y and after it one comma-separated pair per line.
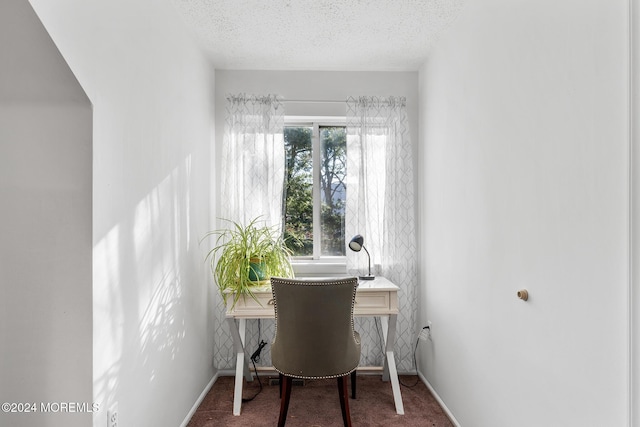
x,y
318,34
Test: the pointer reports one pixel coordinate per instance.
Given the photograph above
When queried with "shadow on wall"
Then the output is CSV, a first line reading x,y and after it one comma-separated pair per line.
x,y
142,271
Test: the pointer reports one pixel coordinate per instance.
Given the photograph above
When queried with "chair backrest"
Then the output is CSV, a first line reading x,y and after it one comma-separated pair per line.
x,y
314,327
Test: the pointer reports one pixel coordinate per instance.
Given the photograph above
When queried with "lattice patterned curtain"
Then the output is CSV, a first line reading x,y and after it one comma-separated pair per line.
x,y
381,206
252,185
253,159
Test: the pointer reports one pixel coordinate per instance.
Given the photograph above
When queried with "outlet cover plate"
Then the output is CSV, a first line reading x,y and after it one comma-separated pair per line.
x,y
112,416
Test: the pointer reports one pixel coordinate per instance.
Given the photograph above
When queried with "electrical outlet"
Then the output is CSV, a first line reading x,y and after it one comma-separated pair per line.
x,y
425,333
112,416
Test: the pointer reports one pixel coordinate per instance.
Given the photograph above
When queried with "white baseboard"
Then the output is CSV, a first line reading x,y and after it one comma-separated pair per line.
x,y
199,401
439,400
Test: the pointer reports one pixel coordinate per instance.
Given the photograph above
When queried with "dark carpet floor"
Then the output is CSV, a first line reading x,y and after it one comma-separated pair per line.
x,y
316,404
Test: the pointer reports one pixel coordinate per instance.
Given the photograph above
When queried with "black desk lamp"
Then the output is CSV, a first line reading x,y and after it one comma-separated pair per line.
x,y
355,245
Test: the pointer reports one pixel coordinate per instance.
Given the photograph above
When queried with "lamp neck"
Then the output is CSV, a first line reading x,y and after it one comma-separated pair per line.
x,y
368,257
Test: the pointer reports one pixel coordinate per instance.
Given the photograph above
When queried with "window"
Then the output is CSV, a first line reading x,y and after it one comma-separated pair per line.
x,y
315,190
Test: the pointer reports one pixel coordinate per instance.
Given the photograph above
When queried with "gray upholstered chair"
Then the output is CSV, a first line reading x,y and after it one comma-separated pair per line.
x,y
314,335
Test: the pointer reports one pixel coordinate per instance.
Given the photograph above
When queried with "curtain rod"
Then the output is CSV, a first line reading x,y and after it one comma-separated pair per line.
x,y
314,101
333,101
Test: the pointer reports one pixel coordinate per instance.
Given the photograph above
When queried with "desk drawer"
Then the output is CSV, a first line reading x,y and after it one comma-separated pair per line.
x,y
246,304
371,300
367,303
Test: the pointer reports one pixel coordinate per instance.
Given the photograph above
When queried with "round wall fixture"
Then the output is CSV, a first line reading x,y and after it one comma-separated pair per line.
x,y
523,294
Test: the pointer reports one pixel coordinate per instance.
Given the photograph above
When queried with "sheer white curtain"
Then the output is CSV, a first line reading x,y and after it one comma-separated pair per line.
x,y
380,205
253,159
252,186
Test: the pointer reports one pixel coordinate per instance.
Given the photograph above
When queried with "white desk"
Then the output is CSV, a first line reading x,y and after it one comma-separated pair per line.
x,y
376,298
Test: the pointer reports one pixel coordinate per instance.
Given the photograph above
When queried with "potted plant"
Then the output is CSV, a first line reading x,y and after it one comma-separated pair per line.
x,y
245,257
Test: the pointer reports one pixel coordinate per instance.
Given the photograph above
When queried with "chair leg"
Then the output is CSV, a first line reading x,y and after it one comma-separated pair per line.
x,y
280,380
353,384
286,384
344,400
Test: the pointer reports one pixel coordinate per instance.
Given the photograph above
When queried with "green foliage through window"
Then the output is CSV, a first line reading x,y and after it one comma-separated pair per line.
x,y
299,190
299,185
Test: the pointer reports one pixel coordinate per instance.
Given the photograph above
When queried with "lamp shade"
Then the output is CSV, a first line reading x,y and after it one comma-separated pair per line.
x,y
356,243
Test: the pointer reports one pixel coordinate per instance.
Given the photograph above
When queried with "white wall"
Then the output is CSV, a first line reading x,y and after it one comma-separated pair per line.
x,y
151,89
45,224
524,124
635,197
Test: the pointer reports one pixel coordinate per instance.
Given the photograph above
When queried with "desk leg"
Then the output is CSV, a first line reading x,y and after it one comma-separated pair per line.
x,y
384,320
389,371
242,365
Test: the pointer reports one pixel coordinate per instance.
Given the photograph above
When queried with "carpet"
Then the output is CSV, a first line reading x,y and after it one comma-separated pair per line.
x,y
316,404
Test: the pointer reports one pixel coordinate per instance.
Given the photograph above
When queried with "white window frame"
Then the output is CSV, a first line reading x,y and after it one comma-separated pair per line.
x,y
317,265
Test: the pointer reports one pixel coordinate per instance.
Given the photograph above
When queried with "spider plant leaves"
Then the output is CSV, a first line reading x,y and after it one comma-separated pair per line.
x,y
236,246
